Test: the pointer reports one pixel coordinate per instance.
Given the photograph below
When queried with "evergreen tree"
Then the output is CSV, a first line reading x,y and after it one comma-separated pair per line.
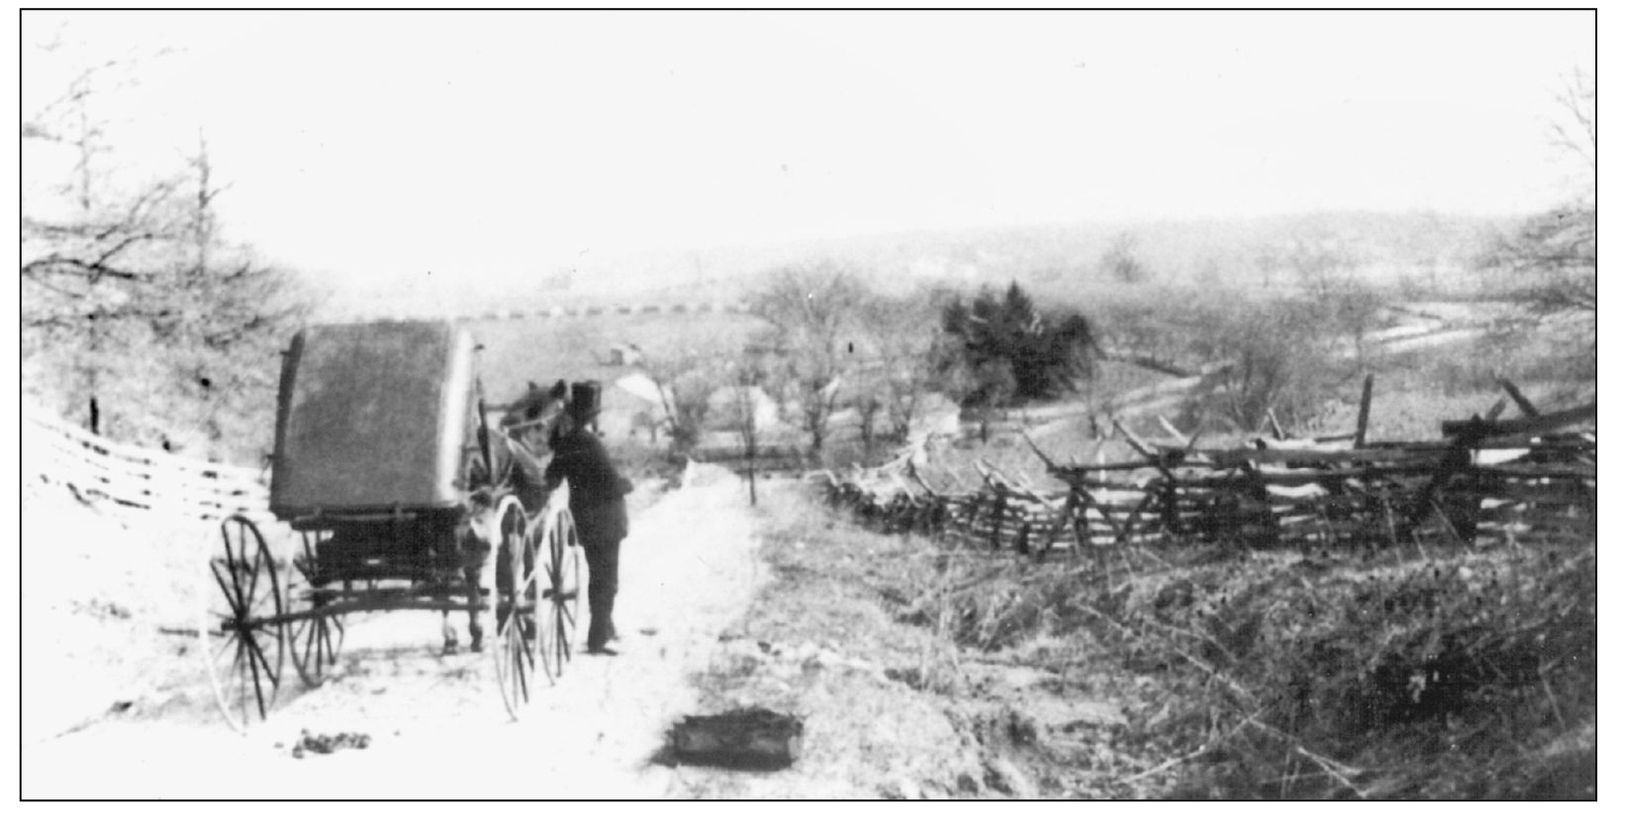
x,y
1012,351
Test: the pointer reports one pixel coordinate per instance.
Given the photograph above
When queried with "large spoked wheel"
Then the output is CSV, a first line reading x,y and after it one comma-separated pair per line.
x,y
560,579
314,642
515,610
241,632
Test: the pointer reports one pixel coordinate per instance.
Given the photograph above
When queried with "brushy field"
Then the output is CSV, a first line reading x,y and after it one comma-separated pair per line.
x,y
1407,673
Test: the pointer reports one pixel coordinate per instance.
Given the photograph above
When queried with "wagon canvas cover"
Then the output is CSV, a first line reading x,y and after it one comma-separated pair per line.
x,y
371,417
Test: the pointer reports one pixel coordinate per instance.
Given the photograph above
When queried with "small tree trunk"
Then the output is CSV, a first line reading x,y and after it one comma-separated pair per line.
x,y
749,423
750,473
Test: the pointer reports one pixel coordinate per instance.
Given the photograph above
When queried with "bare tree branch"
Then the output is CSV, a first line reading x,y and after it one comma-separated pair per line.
x,y
1578,133
59,264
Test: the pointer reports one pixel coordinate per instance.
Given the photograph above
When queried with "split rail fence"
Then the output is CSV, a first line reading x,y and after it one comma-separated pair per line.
x,y
1529,478
137,479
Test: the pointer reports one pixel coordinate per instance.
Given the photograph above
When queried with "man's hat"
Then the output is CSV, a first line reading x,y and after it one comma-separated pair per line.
x,y
584,401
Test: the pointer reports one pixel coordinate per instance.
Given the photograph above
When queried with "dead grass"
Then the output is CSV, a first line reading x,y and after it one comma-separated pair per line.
x,y
818,642
849,635
1398,674
1385,673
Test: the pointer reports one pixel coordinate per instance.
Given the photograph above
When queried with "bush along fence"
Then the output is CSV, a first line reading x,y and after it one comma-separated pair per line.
x,y
1529,478
141,481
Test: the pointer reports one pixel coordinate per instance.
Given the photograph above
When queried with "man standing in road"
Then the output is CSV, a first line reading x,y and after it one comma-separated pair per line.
x,y
598,503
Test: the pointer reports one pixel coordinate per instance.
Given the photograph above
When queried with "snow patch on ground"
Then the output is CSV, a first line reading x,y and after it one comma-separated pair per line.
x,y
93,639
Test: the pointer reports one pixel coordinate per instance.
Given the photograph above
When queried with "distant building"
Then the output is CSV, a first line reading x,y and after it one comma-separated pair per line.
x,y
641,386
631,407
724,408
624,354
935,415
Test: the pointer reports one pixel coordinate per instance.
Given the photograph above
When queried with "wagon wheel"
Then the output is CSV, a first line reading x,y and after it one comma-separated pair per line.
x,y
242,638
515,610
560,579
314,642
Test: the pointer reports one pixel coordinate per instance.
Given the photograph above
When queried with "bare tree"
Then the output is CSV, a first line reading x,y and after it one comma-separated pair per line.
x,y
814,387
748,374
1355,309
867,399
1576,130
131,295
1278,356
1323,265
74,259
896,373
1267,260
1553,256
1553,259
812,309
1122,260
686,380
235,313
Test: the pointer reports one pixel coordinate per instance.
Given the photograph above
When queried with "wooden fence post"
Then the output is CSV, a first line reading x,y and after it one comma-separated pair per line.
x,y
998,515
1061,520
1458,459
1083,537
1170,506
1517,397
1270,532
1365,412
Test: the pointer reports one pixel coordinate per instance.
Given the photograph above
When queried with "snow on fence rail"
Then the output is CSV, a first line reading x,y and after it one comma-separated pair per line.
x,y
1528,478
136,478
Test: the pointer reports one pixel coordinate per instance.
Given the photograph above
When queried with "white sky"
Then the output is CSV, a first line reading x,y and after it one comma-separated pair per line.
x,y
506,144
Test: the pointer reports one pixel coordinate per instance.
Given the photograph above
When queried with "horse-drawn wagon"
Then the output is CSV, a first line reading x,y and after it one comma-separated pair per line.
x,y
403,497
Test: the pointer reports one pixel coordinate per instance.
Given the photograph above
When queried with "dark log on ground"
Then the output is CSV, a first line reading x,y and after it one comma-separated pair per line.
x,y
751,738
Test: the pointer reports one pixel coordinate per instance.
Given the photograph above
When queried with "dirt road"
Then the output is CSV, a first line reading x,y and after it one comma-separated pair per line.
x,y
436,725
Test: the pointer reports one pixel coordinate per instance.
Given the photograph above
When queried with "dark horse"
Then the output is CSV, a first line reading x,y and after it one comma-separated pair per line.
x,y
516,448
532,416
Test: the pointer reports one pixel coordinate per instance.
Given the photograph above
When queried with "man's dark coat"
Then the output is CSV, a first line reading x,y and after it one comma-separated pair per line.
x,y
597,490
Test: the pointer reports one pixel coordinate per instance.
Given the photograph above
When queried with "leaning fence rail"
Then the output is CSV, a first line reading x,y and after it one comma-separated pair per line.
x,y
138,479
